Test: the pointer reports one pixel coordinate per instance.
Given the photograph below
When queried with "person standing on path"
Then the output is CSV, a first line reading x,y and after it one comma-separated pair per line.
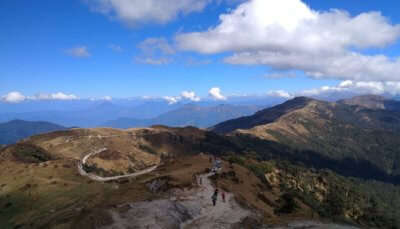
x,y
223,196
194,179
214,199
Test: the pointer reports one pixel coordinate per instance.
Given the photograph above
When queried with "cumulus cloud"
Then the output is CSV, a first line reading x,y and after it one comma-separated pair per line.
x,y
185,95
216,94
13,97
133,12
80,52
155,51
190,95
172,99
288,35
280,94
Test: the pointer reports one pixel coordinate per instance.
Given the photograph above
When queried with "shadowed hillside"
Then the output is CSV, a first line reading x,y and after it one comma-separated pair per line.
x,y
13,131
332,130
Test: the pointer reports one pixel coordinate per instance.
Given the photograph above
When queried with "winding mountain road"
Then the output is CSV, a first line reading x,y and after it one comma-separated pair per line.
x,y
104,179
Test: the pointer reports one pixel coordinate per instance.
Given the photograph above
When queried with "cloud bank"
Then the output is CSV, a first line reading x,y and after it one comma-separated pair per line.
x,y
345,88
287,35
17,97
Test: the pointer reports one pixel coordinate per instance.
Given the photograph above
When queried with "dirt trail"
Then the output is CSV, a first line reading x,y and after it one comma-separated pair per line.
x,y
103,179
223,215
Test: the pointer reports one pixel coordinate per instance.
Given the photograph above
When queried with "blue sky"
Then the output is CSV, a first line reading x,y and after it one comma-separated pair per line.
x,y
74,48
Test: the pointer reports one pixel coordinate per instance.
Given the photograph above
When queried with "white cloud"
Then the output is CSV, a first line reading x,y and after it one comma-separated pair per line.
x,y
17,97
155,51
288,35
215,93
190,95
185,95
80,52
353,87
280,94
107,98
54,96
133,12
172,99
115,48
13,97
346,83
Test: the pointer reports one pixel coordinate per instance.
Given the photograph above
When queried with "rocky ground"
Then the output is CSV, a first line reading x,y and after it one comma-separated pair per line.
x,y
184,209
193,209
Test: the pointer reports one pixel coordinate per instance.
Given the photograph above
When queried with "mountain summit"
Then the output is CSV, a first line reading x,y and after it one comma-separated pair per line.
x,y
338,131
264,116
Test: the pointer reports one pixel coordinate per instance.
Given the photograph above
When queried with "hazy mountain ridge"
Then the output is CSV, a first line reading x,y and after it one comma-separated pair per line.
x,y
189,115
93,114
86,113
373,102
13,131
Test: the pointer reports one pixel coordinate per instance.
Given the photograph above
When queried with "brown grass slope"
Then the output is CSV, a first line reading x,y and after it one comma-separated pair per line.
x,y
334,130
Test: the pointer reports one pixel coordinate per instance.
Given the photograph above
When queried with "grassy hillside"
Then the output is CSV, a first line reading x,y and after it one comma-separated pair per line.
x,y
307,162
329,131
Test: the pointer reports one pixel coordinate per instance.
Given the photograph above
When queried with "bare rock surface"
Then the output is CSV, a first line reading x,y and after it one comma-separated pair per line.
x,y
185,209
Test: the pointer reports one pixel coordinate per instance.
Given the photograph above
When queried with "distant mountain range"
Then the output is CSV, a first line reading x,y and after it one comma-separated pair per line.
x,y
373,102
118,112
93,115
13,131
188,115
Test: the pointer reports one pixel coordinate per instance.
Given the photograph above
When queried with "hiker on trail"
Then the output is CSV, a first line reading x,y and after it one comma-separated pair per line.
x,y
214,199
194,178
216,192
223,196
200,180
